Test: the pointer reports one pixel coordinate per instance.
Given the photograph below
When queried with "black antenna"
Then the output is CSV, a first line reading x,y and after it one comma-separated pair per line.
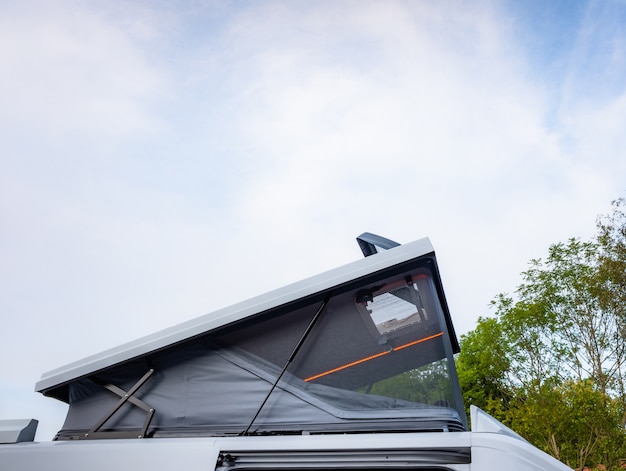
x,y
368,243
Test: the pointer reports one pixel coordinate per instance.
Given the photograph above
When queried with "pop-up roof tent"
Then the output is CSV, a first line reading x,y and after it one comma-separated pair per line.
x,y
365,347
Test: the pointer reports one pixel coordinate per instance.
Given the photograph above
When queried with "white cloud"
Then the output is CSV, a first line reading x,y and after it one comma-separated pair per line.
x,y
422,117
71,70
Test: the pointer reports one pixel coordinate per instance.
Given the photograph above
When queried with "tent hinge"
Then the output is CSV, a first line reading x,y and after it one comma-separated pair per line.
x,y
125,396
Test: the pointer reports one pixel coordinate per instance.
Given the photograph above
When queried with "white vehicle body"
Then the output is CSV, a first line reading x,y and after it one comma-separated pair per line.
x,y
351,369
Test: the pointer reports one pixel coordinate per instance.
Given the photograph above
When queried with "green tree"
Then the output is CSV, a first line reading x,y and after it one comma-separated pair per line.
x,y
612,285
559,301
550,363
573,421
483,365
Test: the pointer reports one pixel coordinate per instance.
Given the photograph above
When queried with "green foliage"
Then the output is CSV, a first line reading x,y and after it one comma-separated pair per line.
x,y
551,363
483,365
611,287
429,384
573,421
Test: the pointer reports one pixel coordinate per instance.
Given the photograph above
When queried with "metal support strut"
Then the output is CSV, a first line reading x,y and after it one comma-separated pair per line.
x,y
125,396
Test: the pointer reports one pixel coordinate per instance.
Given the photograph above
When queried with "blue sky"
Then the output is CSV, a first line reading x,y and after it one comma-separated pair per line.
x,y
161,160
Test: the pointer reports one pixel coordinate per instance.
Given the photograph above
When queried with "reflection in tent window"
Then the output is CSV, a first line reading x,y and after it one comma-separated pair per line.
x,y
396,309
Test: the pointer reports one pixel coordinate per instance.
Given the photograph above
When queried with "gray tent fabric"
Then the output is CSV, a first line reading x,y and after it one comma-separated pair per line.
x,y
195,391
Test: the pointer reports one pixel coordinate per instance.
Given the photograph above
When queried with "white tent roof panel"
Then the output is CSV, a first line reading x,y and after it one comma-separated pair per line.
x,y
206,323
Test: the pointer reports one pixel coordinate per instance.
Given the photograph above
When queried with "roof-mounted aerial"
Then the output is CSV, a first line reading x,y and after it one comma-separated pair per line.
x,y
368,243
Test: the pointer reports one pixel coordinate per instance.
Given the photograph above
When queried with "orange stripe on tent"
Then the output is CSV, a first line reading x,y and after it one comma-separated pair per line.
x,y
371,357
415,342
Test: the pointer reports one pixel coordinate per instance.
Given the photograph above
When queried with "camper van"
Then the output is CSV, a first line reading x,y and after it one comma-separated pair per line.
x,y
352,369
